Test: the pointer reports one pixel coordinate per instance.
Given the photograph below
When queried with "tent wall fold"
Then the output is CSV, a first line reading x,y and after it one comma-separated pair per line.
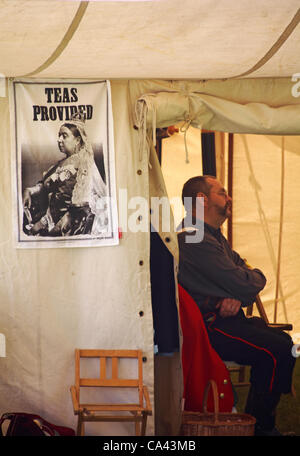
x,y
213,113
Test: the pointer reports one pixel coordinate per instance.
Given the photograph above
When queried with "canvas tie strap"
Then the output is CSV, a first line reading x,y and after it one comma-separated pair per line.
x,y
184,130
143,106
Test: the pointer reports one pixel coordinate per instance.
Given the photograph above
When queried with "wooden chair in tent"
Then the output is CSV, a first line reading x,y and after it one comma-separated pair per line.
x,y
241,370
109,360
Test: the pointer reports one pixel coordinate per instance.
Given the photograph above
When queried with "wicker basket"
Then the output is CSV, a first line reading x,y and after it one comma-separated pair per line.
x,y
216,423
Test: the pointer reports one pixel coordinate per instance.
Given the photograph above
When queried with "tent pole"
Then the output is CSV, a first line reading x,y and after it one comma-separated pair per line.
x,y
229,184
280,230
208,153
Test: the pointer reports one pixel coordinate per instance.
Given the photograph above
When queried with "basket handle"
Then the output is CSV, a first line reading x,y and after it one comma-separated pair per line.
x,y
211,384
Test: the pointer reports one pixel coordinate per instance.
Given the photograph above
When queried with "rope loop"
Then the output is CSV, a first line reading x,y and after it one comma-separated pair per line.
x,y
184,128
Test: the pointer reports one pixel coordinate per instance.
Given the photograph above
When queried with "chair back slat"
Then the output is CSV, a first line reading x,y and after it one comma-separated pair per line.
x,y
102,368
114,368
91,353
114,382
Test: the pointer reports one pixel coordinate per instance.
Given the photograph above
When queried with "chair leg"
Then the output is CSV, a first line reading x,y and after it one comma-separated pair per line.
x,y
144,424
137,428
137,425
80,425
242,373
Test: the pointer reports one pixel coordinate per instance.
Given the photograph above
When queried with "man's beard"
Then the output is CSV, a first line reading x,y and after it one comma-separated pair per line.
x,y
223,211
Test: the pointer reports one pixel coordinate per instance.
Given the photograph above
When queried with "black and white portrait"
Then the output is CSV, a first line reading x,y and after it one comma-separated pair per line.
x,y
64,165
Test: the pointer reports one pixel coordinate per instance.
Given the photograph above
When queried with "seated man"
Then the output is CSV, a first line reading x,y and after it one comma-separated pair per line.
x,y
221,283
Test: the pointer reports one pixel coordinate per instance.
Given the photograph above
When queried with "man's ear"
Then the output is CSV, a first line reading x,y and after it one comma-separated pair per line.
x,y
205,199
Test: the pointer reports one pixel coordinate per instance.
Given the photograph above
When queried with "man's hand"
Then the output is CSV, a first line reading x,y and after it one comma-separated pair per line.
x,y
37,227
228,307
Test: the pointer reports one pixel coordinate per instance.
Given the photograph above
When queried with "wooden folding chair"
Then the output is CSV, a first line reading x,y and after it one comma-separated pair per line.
x,y
124,412
241,370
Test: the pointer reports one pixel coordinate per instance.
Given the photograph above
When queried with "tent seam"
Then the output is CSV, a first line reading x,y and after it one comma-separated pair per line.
x,y
65,40
275,48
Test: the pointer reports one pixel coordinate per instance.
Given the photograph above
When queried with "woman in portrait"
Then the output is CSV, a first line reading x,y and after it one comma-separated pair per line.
x,y
69,200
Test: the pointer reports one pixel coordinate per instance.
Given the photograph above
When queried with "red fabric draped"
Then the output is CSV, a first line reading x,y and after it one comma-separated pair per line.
x,y
200,362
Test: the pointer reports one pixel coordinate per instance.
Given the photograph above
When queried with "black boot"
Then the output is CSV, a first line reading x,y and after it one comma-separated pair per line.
x,y
263,407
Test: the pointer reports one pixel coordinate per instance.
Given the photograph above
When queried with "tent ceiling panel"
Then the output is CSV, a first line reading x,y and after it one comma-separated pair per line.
x,y
30,31
167,39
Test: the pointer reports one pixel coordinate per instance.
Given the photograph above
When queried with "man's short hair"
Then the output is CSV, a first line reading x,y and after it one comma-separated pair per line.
x,y
195,185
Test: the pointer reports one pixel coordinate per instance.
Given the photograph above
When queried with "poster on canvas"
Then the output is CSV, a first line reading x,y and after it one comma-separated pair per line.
x,y
63,164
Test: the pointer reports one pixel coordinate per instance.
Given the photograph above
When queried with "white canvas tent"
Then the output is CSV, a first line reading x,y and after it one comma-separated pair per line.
x,y
222,66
